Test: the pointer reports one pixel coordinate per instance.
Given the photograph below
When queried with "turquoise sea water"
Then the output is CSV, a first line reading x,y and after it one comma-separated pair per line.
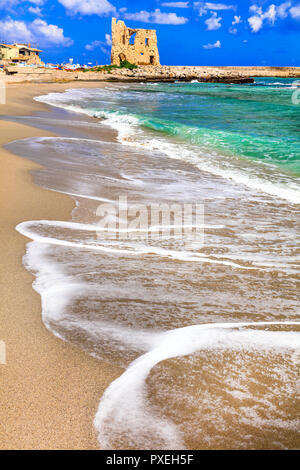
x,y
257,121
207,332
248,134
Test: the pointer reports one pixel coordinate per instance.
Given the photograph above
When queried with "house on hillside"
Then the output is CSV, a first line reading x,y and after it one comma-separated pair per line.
x,y
19,53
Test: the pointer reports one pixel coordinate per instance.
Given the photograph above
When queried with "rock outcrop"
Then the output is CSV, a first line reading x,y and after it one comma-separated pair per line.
x,y
152,74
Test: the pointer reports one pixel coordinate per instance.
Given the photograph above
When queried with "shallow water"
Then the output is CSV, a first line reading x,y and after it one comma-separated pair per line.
x,y
209,334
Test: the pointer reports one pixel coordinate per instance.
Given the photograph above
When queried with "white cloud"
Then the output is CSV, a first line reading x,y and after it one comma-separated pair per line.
x,y
38,32
255,23
257,20
295,12
157,17
11,5
143,16
102,45
204,7
35,11
256,9
8,5
88,7
37,2
282,9
237,20
93,45
108,39
49,33
216,45
271,14
220,6
14,30
214,22
175,4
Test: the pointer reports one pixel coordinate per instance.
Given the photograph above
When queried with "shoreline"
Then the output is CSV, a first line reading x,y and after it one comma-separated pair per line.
x,y
165,73
50,390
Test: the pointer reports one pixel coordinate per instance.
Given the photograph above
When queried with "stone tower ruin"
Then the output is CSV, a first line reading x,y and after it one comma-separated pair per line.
x,y
137,46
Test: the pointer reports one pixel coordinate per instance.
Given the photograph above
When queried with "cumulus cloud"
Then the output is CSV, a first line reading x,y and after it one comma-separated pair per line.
x,y
237,20
282,10
157,17
108,39
102,45
204,7
8,5
14,30
214,22
37,2
49,33
93,45
295,12
88,7
273,13
35,11
216,45
38,31
176,4
256,21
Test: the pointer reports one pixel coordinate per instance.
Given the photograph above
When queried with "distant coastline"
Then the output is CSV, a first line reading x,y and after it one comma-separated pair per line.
x,y
17,74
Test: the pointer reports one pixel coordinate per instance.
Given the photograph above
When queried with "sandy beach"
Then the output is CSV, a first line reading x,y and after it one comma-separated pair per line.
x,y
49,390
203,340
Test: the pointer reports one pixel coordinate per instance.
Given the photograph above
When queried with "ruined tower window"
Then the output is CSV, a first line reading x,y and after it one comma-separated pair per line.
x,y
132,38
132,44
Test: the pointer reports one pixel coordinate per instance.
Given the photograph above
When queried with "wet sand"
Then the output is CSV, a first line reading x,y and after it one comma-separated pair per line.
x,y
49,390
52,390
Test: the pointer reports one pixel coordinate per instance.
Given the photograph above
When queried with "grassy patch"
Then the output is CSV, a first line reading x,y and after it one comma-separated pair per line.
x,y
109,68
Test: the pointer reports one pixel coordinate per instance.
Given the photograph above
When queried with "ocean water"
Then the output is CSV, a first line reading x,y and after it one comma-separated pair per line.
x,y
208,334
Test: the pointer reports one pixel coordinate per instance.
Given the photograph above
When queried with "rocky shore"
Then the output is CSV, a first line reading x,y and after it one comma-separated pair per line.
x,y
15,74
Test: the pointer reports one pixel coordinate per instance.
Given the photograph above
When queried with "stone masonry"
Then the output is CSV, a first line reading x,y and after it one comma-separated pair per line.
x,y
137,46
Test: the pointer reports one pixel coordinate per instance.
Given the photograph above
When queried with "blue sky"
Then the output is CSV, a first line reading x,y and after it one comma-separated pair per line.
x,y
241,32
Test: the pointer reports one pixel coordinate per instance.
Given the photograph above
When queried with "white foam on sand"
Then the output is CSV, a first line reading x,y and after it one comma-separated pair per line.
x,y
123,409
130,133
31,230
